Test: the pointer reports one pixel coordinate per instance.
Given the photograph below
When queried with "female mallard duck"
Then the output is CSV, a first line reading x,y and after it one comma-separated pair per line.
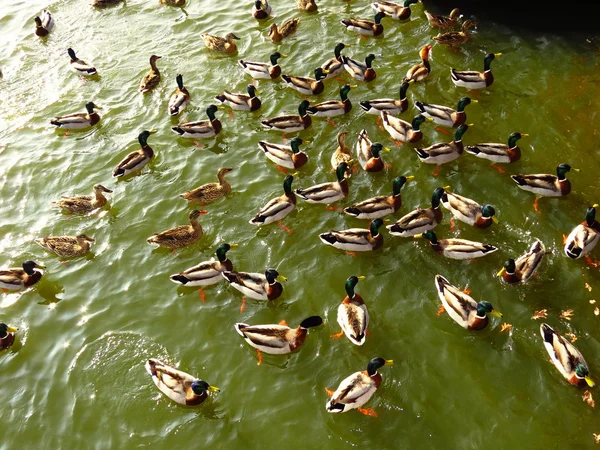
x,y
44,24
177,3
306,86
210,192
334,66
256,285
357,389
261,9
264,71
355,239
307,5
78,121
288,156
207,272
545,184
202,129
401,130
469,211
462,308
179,236
390,105
419,220
566,357
179,386
379,206
444,152
327,192
443,22
104,3
352,315
457,248
365,27
521,270
472,79
288,28
180,98
332,108
584,236
455,38
220,44
152,78
444,115
394,10
499,153
369,153
17,278
277,208
241,102
358,70
342,154
7,336
290,123
136,160
84,203
79,65
420,71
66,246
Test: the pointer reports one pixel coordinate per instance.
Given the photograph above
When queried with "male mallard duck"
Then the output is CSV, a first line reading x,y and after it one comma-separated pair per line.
x,y
379,206
84,203
241,102
457,248
369,153
202,129
152,78
499,153
66,246
472,79
179,236
256,285
420,71
390,105
78,121
356,390
463,308
521,270
261,9
419,220
444,152
210,192
79,65
136,160
352,314
327,192
43,24
307,5
7,336
355,239
104,3
288,156
335,65
394,10
401,130
258,70
365,27
566,357
207,272
342,154
179,386
584,236
180,98
17,278
220,44
358,70
177,3
444,115
278,207
290,123
456,38
306,86
469,211
288,28
332,108
545,184
443,22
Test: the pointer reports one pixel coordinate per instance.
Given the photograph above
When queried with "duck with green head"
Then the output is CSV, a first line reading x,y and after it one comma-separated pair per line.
x,y
78,121
365,27
369,153
278,207
332,108
419,220
355,239
206,273
358,70
469,211
395,10
304,85
327,192
444,152
444,115
203,129
256,285
43,23
401,130
521,270
457,248
263,71
135,160
546,185
180,98
499,153
7,336
290,123
19,278
381,205
392,106
334,66
584,237
241,102
288,156
79,65
352,314
472,79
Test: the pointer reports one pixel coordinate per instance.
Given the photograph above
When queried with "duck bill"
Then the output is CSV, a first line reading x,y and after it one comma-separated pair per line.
x,y
361,277
495,219
282,278
499,274
39,266
589,381
496,313
234,245
389,362
497,54
410,177
213,389
418,236
15,329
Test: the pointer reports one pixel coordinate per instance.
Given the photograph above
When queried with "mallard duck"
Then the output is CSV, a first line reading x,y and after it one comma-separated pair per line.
x,y
306,86
394,10
365,27
7,336
401,130
444,115
342,154
241,102
179,236
382,205
443,22
290,123
419,220
469,211
358,70
152,78
352,314
202,129
390,105
472,79
444,152
327,192
584,236
355,239
278,207
78,121
288,156
566,357
180,98
463,308
456,38
457,248
66,246
207,272
104,3
79,65
357,389
43,23
137,159
334,66
179,386
521,270
545,184
261,9
420,71
84,203
264,71
288,28
210,192
257,285
177,3
307,5
332,108
369,153
499,153
220,44
17,278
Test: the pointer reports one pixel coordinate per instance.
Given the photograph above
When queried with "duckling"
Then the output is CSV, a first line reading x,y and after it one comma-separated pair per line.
x,y
306,86
210,192
152,78
444,115
7,336
420,71
419,220
179,236
78,121
288,28
258,70
358,70
457,248
472,79
277,208
499,153
180,98
290,123
394,10
257,285
241,102
43,24
66,246
365,27
307,5
206,273
369,153
137,159
521,270
454,39
401,130
202,129
469,211
443,22
352,314
584,237
327,192
288,156
355,239
342,154
334,66
220,44
261,9
390,105
332,108
382,205
83,204
17,278
79,65
444,152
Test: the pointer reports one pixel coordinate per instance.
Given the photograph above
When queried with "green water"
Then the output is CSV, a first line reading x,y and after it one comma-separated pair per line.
x,y
75,376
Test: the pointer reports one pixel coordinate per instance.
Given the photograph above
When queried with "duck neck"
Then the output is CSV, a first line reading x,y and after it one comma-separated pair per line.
x,y
221,178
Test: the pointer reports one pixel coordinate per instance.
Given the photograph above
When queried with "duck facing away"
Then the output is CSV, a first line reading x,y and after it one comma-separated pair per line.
x,y
180,236
210,192
289,27
420,71
137,159
352,314
79,65
66,246
457,248
369,153
521,270
499,153
208,272
261,10
277,208
220,44
202,129
584,237
241,102
355,239
472,79
342,154
78,121
307,5
419,220
382,205
180,98
152,78
263,71
43,23
19,278
83,204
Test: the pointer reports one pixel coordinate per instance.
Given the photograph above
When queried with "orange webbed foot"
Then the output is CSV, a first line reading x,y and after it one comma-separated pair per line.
x,y
536,205
329,392
332,208
243,307
399,143
498,168
440,310
379,122
68,132
564,237
387,166
260,358
202,295
341,80
354,169
284,138
283,323
441,130
590,262
332,123
197,144
467,291
284,228
353,254
336,335
452,225
283,170
436,171
367,412
231,114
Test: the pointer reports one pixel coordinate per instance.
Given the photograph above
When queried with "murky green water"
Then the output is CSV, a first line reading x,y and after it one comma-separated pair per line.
x,y
75,377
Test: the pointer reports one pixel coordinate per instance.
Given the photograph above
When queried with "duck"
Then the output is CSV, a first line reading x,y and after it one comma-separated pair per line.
x,y
469,211
66,246
365,27
177,3
394,10
152,78
456,38
206,273
471,79
545,184
357,389
288,156
401,130
307,5
443,22
104,3
419,220
584,237
19,278
369,153
499,153
334,66
288,28
43,23
291,123
180,98
304,85
256,285
380,206
261,9
463,309
327,192
420,71
179,386
444,152
241,102
263,71
358,70
7,336
355,239
457,248
83,204
390,105
210,192
342,154
179,236
220,44
443,115
332,108
79,65
521,270
352,314
278,207
78,121
566,357
135,160
202,129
